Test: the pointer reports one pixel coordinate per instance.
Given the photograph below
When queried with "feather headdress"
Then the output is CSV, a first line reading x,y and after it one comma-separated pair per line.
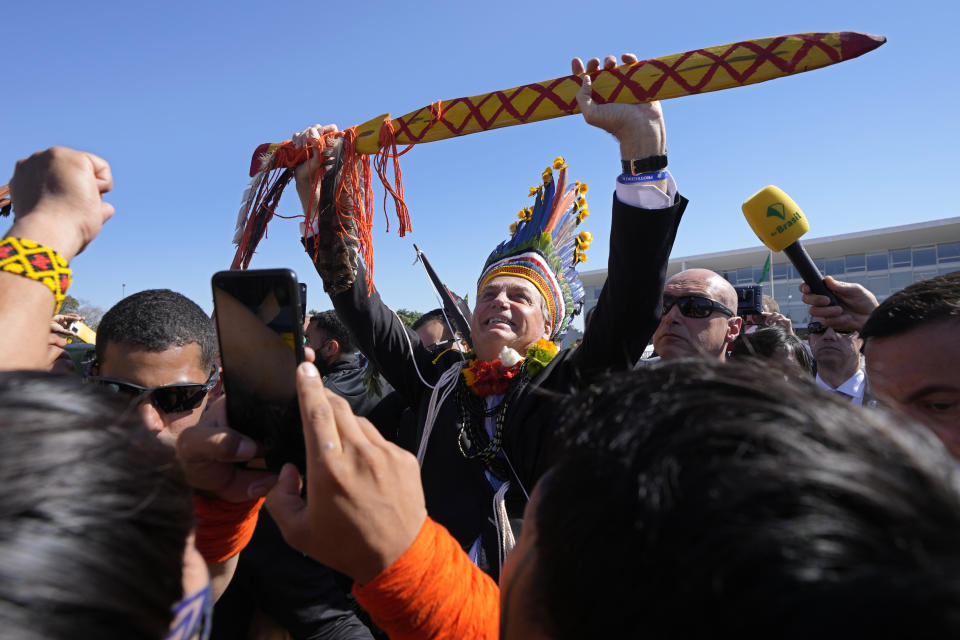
x,y
544,247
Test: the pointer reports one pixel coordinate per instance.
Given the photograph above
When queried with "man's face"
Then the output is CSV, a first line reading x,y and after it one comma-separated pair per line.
x,y
837,351
508,313
433,332
135,364
917,372
678,336
315,336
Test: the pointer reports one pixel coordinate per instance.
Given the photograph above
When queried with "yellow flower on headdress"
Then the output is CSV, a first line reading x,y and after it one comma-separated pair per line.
x,y
581,187
547,175
582,214
559,163
513,228
583,242
534,191
525,215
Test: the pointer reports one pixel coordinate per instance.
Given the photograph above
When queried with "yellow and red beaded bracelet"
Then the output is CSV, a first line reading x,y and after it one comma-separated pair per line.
x,y
33,260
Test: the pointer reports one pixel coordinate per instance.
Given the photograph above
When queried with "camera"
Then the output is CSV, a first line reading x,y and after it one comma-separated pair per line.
x,y
749,300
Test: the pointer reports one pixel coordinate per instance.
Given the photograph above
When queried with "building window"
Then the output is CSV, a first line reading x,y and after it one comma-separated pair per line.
x,y
949,268
877,262
856,263
781,271
900,258
745,275
949,252
899,280
879,285
821,265
924,256
834,267
924,274
861,280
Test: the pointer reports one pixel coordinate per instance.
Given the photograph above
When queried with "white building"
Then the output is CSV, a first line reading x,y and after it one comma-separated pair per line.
x,y
883,260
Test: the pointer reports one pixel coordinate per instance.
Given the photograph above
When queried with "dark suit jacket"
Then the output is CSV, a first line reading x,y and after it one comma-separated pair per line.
x,y
458,494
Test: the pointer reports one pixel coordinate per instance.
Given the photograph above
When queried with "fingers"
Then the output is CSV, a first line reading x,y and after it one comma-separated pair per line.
x,y
585,96
101,172
314,132
593,64
309,354
346,424
214,444
370,432
287,508
319,428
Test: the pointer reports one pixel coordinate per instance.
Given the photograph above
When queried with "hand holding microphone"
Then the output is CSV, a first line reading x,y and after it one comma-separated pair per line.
x,y
779,223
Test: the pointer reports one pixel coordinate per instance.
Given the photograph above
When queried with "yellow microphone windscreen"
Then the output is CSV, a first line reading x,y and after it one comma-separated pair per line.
x,y
775,218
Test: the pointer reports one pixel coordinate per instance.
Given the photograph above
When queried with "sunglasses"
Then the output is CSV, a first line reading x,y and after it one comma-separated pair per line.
x,y
694,306
818,329
170,398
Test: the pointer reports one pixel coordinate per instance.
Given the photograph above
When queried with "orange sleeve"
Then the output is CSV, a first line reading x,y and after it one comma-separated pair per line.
x,y
433,592
223,528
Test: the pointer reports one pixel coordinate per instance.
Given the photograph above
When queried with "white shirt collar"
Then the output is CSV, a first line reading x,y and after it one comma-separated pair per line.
x,y
853,386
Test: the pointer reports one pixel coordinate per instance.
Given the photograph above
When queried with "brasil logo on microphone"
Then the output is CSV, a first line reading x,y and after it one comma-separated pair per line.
x,y
778,210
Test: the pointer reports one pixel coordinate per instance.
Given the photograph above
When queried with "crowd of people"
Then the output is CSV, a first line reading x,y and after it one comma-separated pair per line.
x,y
741,481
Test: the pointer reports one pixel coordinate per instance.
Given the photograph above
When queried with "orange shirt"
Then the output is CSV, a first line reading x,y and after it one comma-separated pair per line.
x,y
433,591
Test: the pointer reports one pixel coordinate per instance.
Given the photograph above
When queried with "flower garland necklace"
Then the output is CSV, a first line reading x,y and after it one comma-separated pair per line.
x,y
507,375
492,378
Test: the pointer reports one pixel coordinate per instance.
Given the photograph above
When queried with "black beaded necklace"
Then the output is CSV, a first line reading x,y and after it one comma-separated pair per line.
x,y
474,442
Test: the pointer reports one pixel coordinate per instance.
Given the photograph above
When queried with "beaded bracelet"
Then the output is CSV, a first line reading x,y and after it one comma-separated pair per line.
x,y
32,260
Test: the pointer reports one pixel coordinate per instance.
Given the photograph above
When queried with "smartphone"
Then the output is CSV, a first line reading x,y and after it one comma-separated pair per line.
x,y
83,332
259,321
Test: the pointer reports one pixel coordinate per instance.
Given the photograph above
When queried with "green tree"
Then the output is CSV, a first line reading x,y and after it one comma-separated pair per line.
x,y
70,305
408,317
91,314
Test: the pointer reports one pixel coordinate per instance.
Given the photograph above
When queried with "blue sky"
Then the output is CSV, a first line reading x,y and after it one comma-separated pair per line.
x,y
176,95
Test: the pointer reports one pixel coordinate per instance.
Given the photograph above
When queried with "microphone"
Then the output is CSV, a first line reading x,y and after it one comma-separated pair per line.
x,y
779,223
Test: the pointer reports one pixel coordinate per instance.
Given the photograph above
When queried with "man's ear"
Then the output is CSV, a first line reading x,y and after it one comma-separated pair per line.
x,y
547,330
331,349
733,328
217,388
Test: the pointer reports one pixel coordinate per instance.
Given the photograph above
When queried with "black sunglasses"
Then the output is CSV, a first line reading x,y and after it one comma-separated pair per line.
x,y
819,329
694,306
170,398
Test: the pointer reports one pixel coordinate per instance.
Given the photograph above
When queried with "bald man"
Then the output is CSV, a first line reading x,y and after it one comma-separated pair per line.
x,y
699,316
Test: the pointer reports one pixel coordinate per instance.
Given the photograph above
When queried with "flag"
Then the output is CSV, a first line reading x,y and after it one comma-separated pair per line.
x,y
765,271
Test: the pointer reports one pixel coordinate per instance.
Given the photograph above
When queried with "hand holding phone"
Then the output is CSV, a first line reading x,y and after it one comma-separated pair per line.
x,y
260,329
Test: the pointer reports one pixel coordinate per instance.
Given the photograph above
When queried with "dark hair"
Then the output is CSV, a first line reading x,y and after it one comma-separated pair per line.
x,y
765,342
920,303
94,515
158,319
699,499
434,315
331,324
